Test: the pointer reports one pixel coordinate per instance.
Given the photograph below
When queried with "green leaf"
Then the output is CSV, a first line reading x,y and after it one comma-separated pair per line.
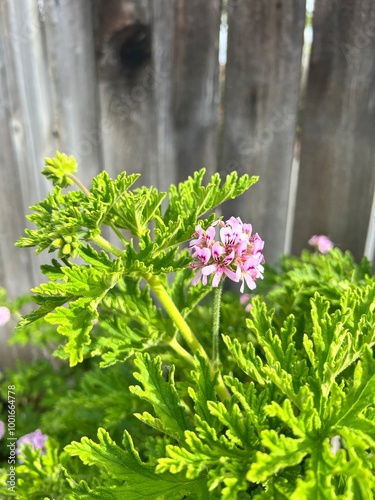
x,y
190,201
130,322
135,210
125,465
360,395
284,452
205,390
75,322
163,396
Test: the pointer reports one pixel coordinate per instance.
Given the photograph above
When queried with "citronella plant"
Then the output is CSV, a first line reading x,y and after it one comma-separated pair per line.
x,y
174,421
109,285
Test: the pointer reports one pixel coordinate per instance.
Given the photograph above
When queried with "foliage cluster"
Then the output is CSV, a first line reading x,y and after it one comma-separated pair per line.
x,y
141,413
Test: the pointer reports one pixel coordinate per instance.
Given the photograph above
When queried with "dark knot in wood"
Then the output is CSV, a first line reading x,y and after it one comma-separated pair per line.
x,y
133,46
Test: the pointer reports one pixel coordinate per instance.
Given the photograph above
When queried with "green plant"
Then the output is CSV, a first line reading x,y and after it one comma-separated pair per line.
x,y
252,416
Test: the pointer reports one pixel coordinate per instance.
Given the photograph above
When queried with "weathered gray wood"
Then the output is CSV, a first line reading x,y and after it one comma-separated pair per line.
x,y
69,58
196,85
260,106
47,102
127,80
157,63
23,123
18,268
337,174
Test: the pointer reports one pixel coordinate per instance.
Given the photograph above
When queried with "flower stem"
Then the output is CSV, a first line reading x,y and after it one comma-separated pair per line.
x,y
174,313
181,324
106,245
181,351
79,184
216,325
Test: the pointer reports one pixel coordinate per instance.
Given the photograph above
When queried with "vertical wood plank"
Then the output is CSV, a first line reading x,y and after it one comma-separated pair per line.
x,y
23,125
47,102
196,85
157,64
337,174
69,54
261,94
127,81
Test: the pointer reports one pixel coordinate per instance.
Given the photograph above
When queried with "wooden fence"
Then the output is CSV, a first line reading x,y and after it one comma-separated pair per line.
x,y
136,85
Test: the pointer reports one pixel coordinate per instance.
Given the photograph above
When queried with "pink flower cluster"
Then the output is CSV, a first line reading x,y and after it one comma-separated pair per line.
x,y
321,242
4,315
36,439
237,255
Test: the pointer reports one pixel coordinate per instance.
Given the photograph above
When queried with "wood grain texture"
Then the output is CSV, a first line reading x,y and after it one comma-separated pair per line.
x,y
196,85
260,109
127,81
69,56
157,65
23,123
47,102
337,174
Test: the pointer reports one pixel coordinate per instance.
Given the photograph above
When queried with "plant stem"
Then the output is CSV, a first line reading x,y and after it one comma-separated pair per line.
x,y
181,351
79,184
174,313
216,325
181,324
106,245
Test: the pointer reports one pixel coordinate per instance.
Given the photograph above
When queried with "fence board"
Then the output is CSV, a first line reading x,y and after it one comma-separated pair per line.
x,y
22,130
47,101
158,65
261,96
196,85
126,79
69,56
337,175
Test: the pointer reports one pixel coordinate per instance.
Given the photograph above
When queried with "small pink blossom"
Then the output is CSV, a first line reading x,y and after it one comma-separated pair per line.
x,y
36,439
203,237
321,242
237,254
245,299
2,429
222,261
202,256
4,315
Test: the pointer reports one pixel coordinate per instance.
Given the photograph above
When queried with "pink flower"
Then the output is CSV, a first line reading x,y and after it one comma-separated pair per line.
x,y
204,237
4,315
2,429
321,242
36,439
237,255
221,264
245,299
202,256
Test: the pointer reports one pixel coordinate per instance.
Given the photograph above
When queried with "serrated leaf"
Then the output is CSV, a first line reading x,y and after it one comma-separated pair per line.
x,y
75,322
126,465
205,389
131,322
161,394
189,201
284,452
